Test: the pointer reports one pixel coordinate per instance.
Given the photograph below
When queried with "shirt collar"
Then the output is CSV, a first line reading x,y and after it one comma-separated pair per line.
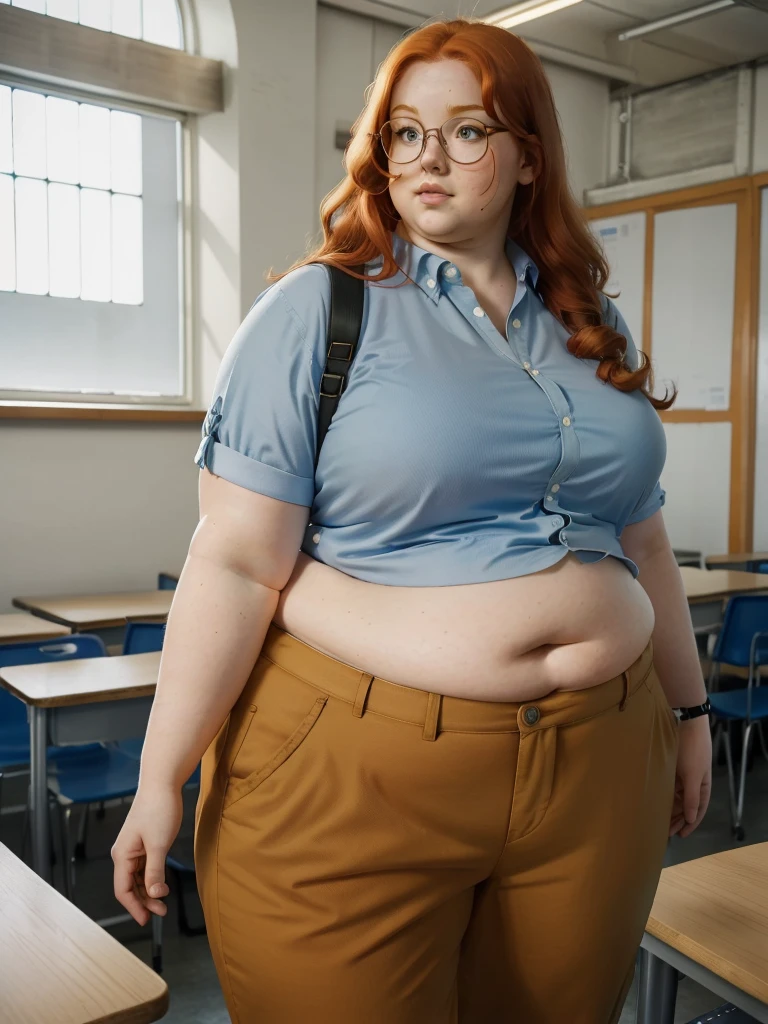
x,y
426,269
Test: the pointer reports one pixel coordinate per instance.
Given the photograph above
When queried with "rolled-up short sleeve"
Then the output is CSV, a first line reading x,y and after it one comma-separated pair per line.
x,y
261,426
647,507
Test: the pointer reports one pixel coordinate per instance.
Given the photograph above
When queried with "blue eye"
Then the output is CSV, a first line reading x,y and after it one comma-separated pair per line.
x,y
408,134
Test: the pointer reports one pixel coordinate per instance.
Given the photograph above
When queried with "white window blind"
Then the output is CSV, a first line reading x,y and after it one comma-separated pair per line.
x,y
155,21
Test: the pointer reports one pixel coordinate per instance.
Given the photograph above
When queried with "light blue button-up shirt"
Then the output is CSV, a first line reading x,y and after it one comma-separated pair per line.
x,y
455,456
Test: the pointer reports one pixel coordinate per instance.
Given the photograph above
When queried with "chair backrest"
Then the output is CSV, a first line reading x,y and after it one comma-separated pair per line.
x,y
745,615
142,637
79,645
166,582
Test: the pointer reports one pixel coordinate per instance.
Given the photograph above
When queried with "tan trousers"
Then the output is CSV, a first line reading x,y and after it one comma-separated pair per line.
x,y
369,853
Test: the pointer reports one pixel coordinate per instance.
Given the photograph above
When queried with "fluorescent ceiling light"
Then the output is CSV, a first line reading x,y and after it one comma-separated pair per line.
x,y
691,14
517,14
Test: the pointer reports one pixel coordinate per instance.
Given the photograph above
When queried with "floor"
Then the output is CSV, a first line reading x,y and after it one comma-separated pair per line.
x,y
188,969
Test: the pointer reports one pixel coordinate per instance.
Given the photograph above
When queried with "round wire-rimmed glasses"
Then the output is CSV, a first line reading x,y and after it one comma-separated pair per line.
x,y
464,139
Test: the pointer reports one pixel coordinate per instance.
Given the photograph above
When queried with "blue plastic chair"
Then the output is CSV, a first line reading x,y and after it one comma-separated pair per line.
x,y
166,582
142,637
14,728
743,641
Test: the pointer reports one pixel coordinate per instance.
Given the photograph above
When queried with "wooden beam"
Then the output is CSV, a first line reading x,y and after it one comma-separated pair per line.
x,y
61,53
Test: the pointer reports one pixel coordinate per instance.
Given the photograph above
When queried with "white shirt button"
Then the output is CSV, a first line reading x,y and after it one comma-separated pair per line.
x,y
555,488
534,373
557,521
516,323
526,366
549,497
451,272
316,538
567,421
430,283
478,312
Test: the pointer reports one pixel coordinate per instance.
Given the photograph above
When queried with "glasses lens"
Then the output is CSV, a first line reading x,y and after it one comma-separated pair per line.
x,y
466,139
401,139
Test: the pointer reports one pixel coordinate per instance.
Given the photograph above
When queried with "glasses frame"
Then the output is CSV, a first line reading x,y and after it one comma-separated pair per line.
x,y
489,131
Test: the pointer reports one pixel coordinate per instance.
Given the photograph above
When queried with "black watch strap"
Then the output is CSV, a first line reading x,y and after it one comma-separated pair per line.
x,y
683,714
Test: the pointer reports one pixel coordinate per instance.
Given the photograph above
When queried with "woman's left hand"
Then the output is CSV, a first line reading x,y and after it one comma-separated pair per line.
x,y
693,776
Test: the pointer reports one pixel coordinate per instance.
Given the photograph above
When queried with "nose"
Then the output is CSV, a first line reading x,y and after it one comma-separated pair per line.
x,y
433,157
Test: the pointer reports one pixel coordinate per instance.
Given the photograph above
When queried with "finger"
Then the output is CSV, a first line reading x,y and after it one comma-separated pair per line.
x,y
154,873
125,892
156,906
677,822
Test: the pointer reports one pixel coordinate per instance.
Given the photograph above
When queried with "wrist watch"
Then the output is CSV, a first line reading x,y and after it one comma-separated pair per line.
x,y
683,714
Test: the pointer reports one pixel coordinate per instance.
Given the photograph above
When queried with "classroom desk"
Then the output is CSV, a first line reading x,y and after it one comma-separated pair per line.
x,y
746,560
20,627
105,614
710,921
708,589
56,964
78,702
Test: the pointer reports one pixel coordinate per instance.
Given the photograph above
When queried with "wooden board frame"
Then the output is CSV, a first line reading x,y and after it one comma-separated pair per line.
x,y
61,53
741,412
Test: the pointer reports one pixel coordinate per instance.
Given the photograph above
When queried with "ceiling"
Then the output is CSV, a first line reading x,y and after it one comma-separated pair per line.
x,y
586,34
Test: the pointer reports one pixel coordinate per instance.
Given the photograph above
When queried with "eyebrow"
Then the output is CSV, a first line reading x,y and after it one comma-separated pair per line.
x,y
451,110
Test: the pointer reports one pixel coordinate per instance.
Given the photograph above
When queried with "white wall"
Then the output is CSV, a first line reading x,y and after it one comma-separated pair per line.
x,y
760,121
349,49
90,506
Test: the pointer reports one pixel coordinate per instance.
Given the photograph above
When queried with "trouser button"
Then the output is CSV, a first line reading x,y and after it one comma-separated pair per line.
x,y
531,716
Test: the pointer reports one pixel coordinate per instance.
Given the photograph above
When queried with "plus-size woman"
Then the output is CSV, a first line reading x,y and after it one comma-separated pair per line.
x,y
434,679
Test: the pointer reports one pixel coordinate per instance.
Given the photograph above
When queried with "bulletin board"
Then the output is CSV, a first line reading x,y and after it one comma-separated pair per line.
x,y
622,239
689,295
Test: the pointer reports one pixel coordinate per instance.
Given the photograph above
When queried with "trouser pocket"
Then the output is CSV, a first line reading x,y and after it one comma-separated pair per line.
x,y
271,720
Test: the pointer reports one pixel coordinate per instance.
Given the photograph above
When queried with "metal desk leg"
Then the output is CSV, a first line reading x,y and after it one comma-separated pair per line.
x,y
38,741
657,990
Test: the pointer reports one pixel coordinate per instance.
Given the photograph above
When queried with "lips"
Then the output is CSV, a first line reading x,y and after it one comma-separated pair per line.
x,y
434,189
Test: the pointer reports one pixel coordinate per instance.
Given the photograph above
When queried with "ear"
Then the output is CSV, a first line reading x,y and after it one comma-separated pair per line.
x,y
527,169
531,161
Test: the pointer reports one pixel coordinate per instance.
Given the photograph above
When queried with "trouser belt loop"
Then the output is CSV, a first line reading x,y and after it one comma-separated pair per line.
x,y
362,694
625,677
434,700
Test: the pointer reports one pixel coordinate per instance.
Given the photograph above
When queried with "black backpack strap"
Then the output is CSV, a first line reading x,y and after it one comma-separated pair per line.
x,y
344,322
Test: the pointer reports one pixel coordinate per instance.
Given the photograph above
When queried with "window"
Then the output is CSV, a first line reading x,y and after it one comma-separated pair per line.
x,y
70,199
91,273
155,21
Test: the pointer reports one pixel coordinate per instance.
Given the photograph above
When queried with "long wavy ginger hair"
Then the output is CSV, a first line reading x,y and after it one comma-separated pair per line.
x,y
358,216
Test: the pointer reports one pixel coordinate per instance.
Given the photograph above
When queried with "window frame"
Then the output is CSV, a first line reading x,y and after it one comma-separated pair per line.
x,y
16,397
192,85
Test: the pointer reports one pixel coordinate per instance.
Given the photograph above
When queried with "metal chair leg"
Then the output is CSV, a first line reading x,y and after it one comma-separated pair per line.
x,y
731,777
743,778
717,740
761,736
657,990
65,814
25,832
157,943
82,834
